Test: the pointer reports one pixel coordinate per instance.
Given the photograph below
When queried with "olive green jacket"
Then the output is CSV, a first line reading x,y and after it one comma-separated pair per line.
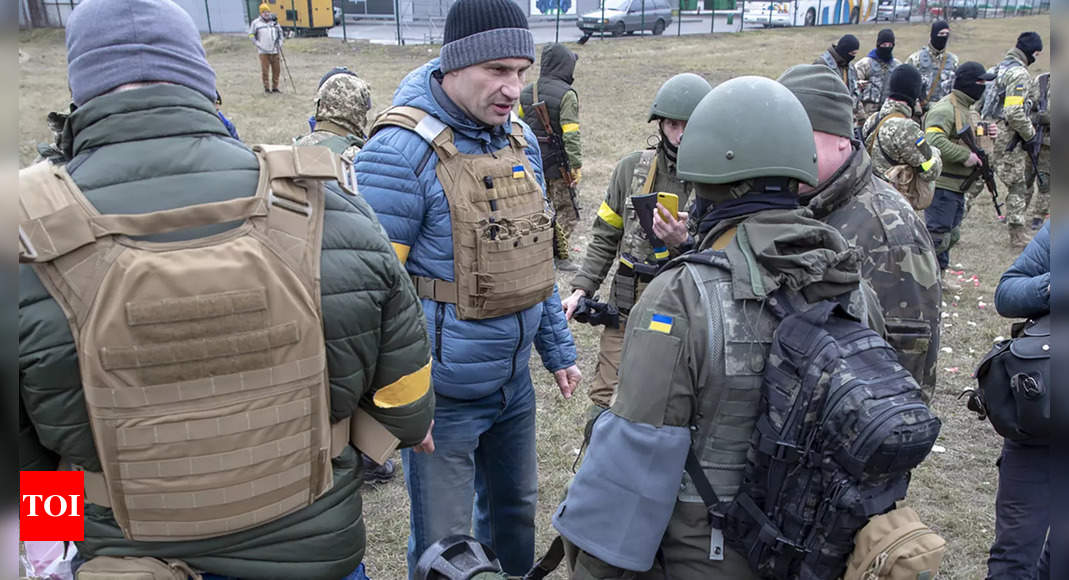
x,y
941,126
694,354
162,147
616,229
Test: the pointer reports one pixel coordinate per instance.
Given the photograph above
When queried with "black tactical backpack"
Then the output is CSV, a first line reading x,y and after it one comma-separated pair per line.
x,y
842,424
1014,384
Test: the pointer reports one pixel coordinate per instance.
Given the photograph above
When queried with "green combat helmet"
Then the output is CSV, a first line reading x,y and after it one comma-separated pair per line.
x,y
678,96
458,557
748,127
343,99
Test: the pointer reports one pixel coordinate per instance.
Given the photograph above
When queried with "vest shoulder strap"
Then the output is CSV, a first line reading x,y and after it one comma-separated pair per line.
x,y
645,173
436,133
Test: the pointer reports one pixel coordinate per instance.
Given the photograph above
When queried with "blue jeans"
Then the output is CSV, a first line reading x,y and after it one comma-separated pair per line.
x,y
1022,513
942,218
484,459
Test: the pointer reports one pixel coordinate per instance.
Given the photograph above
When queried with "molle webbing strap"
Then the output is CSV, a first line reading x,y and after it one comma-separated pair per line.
x,y
651,175
435,289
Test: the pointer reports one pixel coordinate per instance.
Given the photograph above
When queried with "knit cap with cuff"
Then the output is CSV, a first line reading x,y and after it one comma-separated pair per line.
x,y
481,30
115,42
824,96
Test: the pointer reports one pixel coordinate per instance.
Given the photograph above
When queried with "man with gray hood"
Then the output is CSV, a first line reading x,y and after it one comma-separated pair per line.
x,y
554,87
899,261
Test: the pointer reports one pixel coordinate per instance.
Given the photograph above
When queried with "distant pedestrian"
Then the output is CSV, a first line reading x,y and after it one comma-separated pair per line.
x,y
266,34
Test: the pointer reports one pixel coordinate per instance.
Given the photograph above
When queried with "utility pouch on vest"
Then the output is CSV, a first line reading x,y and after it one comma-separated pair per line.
x,y
908,182
632,277
129,568
1014,384
502,226
896,546
202,362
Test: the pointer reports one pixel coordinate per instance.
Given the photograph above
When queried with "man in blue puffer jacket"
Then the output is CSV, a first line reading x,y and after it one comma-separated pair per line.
x,y
484,431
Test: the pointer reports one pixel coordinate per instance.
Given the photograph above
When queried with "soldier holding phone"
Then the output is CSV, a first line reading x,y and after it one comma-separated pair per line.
x,y
643,179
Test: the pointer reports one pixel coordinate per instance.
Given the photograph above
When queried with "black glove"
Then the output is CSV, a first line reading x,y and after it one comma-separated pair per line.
x,y
596,313
1032,145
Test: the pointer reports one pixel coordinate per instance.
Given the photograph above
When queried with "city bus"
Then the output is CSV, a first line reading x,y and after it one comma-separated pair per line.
x,y
808,12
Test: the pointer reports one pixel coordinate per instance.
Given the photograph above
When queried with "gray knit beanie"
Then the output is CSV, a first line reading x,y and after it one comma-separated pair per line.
x,y
826,99
481,30
114,42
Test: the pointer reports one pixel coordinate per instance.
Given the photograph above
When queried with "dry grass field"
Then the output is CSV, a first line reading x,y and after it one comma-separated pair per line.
x,y
616,78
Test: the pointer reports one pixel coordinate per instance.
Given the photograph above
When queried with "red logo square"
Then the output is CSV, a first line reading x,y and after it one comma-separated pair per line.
x,y
51,506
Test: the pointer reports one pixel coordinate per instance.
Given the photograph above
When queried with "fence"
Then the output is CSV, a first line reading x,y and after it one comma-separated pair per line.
x,y
210,16
421,21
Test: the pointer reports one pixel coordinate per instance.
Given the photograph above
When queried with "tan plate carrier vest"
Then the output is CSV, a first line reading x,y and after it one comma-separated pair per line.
x,y
202,362
502,227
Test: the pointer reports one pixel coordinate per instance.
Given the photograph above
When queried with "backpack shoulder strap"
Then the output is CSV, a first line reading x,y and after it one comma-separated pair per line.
x,y
436,133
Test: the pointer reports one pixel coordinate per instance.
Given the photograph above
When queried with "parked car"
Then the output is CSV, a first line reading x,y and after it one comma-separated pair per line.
x,y
627,17
894,10
338,15
769,14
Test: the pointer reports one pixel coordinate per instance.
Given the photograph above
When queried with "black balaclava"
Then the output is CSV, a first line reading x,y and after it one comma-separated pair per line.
x,y
965,78
846,45
939,42
905,84
885,53
1029,43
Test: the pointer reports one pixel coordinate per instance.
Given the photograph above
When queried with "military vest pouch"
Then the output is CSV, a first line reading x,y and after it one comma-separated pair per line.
x,y
908,182
896,546
202,362
502,227
129,568
1014,384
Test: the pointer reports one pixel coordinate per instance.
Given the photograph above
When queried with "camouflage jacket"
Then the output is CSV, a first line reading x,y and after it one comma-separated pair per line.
x,y
346,145
694,355
848,74
900,141
873,75
937,68
616,230
899,261
1043,117
1008,100
942,124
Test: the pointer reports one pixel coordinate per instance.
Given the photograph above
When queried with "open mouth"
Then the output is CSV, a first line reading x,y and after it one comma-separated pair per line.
x,y
501,109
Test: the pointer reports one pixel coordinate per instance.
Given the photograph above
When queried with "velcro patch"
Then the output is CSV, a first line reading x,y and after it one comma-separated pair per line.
x,y
661,323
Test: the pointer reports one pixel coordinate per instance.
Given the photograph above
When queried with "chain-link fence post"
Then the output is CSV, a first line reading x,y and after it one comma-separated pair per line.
x,y
679,19
556,33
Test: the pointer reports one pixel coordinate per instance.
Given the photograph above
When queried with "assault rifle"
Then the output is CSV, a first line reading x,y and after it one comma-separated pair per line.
x,y
983,170
556,143
1033,152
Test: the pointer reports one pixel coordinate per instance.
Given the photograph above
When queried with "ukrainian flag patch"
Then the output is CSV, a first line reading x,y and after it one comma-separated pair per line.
x,y
661,323
919,142
518,172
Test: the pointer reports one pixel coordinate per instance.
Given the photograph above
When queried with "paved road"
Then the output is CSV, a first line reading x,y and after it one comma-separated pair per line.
x,y
385,31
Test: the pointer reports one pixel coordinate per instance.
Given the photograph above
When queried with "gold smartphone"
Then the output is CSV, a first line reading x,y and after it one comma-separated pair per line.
x,y
670,201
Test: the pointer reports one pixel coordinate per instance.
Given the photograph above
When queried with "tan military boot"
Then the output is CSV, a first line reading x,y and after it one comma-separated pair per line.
x,y
1018,238
947,282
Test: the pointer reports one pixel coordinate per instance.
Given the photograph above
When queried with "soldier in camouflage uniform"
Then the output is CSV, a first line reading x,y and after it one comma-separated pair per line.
x,y
838,59
342,103
697,344
1007,101
942,124
936,65
898,259
618,237
874,72
893,138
